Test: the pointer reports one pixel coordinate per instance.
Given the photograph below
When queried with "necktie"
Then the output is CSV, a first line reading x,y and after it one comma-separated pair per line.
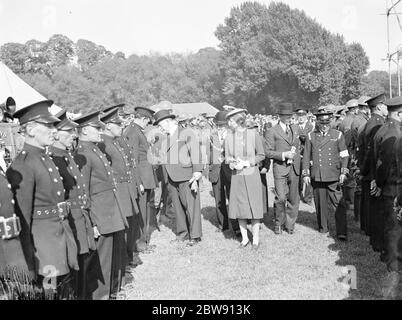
x,y
288,133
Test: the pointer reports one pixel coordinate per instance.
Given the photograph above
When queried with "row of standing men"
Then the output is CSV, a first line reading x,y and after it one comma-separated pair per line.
x,y
76,202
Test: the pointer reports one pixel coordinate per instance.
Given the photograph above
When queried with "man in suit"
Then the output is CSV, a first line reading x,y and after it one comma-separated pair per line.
x,y
283,145
326,149
305,127
105,207
183,168
219,172
148,181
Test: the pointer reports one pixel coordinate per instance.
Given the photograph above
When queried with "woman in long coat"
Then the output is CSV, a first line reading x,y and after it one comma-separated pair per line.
x,y
243,152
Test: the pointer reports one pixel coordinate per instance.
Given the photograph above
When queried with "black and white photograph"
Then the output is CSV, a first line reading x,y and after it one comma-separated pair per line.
x,y
224,152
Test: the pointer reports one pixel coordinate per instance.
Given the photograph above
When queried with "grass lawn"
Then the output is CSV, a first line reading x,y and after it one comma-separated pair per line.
x,y
306,265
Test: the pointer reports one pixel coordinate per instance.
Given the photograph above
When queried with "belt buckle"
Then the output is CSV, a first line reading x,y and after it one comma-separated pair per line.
x,y
3,228
62,208
7,229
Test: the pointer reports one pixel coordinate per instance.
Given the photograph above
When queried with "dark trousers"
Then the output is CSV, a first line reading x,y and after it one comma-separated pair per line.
x,y
100,268
130,238
119,262
187,209
287,189
328,198
265,193
357,204
365,204
308,192
58,287
145,205
221,190
82,284
376,220
392,236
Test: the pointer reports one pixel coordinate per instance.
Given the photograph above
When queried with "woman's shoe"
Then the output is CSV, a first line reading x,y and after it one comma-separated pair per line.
x,y
256,247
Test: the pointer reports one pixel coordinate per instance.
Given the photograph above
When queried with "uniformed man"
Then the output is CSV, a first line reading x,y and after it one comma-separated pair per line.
x,y
123,175
183,169
133,254
382,220
13,266
137,140
105,208
365,157
48,241
393,216
326,148
76,198
387,147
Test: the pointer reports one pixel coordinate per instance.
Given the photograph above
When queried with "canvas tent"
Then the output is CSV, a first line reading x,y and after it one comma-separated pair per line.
x,y
13,86
194,108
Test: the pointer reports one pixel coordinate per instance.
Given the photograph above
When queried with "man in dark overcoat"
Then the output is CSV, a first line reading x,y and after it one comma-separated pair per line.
x,y
183,167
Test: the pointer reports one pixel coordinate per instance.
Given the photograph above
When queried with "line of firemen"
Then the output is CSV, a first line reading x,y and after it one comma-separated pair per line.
x,y
76,202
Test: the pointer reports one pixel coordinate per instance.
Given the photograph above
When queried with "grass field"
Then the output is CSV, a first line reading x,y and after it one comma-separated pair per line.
x,y
306,265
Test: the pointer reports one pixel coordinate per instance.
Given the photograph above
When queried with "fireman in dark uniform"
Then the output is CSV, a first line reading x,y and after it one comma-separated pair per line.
x,y
326,148
11,254
122,172
386,176
105,207
365,157
47,238
76,198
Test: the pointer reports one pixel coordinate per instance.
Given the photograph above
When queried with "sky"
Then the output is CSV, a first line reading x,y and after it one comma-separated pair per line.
x,y
144,26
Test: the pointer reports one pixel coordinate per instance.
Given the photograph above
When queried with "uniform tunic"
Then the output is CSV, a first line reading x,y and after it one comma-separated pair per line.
x,y
386,176
122,174
107,214
329,157
246,201
76,197
38,189
11,253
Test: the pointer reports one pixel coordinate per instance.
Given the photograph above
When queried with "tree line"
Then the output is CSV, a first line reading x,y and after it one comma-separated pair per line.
x,y
267,55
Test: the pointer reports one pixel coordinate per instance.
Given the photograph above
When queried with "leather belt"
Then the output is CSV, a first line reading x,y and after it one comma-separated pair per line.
x,y
60,210
123,179
10,227
77,203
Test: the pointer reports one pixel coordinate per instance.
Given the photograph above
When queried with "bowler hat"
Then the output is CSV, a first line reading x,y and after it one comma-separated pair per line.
x,y
353,103
38,112
162,115
145,112
285,109
220,118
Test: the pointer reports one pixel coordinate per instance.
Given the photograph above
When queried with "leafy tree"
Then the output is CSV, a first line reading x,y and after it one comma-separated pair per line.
x,y
274,53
